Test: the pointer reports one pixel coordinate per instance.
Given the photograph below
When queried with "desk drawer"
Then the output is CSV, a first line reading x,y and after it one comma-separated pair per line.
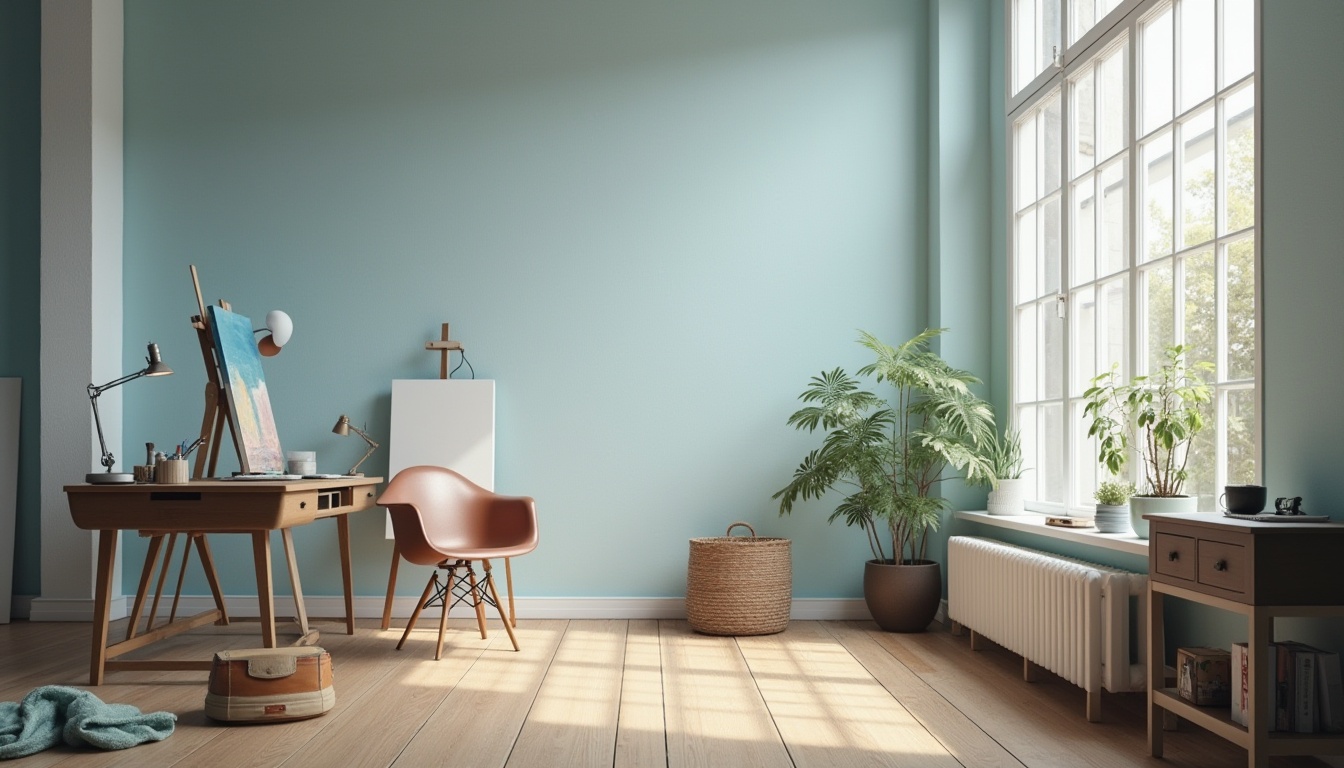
x,y
1174,555
1224,565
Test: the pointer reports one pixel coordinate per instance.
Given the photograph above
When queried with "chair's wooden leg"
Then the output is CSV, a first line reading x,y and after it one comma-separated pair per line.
x,y
208,565
163,578
500,606
429,588
151,557
181,575
391,585
508,583
443,617
476,595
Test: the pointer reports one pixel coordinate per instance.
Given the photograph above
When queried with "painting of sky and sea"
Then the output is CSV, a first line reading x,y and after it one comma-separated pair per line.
x,y
245,384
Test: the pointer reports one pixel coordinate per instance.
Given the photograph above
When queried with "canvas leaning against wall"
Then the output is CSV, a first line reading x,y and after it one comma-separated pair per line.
x,y
245,386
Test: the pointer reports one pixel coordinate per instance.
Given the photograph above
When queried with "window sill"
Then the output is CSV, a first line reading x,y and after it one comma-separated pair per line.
x,y
1035,524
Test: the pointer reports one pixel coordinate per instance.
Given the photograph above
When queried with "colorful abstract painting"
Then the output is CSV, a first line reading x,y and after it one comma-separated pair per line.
x,y
242,378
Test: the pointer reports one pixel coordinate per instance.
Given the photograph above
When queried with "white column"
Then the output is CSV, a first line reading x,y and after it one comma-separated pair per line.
x,y
81,315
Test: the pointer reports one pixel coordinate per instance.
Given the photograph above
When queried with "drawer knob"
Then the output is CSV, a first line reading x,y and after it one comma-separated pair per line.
x,y
1173,556
303,505
1221,565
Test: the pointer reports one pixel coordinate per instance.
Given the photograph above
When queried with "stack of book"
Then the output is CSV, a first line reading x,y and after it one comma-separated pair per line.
x,y
1308,694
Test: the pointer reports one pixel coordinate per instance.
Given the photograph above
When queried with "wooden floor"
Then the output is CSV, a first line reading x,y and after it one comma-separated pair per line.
x,y
625,693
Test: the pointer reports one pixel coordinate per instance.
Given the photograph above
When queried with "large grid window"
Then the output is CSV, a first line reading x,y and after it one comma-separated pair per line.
x,y
1133,223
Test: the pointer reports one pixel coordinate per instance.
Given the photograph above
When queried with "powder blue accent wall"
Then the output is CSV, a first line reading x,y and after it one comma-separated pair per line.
x,y
649,223
20,252
1303,271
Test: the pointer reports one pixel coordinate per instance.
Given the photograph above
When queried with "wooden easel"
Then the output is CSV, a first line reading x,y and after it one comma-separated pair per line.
x,y
216,406
445,346
217,413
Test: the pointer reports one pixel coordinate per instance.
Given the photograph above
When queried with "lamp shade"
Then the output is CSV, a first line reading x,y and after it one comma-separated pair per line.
x,y
281,327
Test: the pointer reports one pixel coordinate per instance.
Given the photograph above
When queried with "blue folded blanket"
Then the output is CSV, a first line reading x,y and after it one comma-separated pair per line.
x,y
53,713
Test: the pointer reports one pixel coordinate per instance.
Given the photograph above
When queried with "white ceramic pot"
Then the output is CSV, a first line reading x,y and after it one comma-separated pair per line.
x,y
1112,518
1007,498
1149,505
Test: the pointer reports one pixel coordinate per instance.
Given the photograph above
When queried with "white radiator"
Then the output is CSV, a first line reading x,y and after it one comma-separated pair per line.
x,y
1068,616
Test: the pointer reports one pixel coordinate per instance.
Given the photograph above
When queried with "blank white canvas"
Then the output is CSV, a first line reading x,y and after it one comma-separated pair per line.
x,y
10,389
444,422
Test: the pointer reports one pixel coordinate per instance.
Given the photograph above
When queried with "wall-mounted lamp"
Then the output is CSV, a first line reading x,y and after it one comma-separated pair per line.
x,y
155,367
344,427
280,328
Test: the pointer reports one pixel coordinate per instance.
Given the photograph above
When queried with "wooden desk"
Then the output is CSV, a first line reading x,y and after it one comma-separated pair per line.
x,y
211,506
1261,571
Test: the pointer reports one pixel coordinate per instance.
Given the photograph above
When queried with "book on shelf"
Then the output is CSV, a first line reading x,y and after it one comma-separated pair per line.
x,y
1306,689
1241,689
1283,681
1329,692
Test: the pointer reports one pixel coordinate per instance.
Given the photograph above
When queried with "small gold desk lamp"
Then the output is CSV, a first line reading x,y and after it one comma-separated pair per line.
x,y
344,427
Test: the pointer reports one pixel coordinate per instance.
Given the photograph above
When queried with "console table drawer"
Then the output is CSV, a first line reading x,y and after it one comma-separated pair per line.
x,y
1224,565
1174,555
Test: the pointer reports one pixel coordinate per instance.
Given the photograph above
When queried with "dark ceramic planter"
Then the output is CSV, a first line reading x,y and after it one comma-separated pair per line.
x,y
903,598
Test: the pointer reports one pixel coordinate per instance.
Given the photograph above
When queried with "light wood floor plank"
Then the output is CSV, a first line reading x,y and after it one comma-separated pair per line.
x,y
953,729
377,726
641,739
478,722
715,714
829,710
573,720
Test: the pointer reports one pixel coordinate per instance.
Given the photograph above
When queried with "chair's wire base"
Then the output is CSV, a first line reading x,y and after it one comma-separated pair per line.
x,y
456,589
464,588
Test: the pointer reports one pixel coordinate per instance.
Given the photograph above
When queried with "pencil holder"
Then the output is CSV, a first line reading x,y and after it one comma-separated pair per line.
x,y
172,471
144,473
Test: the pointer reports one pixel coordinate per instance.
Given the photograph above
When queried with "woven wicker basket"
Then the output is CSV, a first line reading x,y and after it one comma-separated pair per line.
x,y
737,585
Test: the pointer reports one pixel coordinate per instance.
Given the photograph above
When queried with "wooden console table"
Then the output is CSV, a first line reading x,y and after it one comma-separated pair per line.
x,y
210,506
1262,571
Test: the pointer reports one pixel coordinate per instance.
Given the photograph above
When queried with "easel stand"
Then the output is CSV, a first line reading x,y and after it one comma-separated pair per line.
x,y
217,414
445,346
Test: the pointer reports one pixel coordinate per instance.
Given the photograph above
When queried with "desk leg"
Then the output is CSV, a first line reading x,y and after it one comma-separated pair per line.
x,y
146,573
287,536
347,577
163,576
391,585
208,563
102,603
261,558
1157,655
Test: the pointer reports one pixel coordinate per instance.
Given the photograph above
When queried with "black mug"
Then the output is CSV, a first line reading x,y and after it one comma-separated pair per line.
x,y
1243,499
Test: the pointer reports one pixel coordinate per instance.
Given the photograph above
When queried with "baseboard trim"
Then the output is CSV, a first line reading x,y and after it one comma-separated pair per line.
x,y
60,609
242,606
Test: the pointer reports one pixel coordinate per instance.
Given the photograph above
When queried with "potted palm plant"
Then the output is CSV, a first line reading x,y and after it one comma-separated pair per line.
x,y
1007,491
1162,414
890,455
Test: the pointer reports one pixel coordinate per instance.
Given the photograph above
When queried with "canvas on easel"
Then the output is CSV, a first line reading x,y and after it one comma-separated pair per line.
x,y
244,384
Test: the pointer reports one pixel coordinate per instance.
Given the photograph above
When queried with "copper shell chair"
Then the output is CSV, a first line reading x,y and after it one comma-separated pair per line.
x,y
441,518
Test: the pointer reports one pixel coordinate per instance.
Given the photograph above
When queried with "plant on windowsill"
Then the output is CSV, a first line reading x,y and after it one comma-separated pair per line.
x,y
1007,489
891,455
1160,412
1113,506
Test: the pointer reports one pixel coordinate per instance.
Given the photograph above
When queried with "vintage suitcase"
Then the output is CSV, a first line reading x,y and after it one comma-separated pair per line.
x,y
262,685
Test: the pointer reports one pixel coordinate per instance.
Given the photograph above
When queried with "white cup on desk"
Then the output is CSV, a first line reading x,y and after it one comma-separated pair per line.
x,y
301,462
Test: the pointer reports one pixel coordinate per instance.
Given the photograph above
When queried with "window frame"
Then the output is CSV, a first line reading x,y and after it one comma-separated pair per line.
x,y
1126,20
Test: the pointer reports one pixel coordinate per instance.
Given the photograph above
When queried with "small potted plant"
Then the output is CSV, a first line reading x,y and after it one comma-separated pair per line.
x,y
1005,458
889,452
1162,414
1113,506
